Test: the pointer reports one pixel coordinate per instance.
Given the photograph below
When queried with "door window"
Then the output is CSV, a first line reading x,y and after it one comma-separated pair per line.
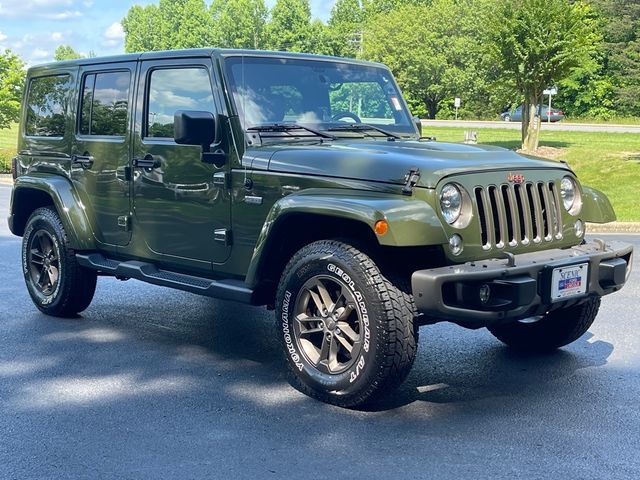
x,y
176,89
105,101
47,105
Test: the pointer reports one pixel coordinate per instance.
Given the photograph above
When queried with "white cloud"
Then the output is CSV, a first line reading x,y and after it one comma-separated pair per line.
x,y
113,35
66,15
2,36
114,31
57,36
39,54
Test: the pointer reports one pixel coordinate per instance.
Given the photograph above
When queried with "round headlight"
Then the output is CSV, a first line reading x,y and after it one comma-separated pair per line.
x,y
450,203
570,195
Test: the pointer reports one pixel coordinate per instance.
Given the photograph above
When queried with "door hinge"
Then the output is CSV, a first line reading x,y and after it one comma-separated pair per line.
x,y
222,179
222,235
124,222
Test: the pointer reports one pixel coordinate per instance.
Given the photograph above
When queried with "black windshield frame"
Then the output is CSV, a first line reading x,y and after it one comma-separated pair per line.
x,y
247,74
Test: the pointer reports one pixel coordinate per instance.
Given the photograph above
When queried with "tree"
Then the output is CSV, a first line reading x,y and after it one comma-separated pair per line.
x,y
171,24
11,86
537,43
430,49
345,26
239,23
621,52
290,26
65,52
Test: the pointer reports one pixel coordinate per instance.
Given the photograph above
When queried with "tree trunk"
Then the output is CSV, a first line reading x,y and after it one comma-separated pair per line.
x,y
530,124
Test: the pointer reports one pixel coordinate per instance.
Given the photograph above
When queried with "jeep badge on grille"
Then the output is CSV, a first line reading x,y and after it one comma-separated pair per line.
x,y
515,177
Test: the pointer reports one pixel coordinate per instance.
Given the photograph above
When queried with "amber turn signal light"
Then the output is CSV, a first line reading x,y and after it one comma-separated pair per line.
x,y
381,227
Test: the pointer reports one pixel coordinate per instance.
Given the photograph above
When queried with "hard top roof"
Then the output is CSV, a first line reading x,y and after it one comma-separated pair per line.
x,y
190,53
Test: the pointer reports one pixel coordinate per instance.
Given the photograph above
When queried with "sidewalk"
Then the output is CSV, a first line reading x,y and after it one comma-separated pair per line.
x,y
5,179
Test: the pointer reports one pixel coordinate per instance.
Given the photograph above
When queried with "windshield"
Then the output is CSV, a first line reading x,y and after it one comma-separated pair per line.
x,y
319,94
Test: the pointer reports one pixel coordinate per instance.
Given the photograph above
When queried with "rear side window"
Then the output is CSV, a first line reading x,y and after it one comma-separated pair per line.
x,y
47,105
105,104
176,89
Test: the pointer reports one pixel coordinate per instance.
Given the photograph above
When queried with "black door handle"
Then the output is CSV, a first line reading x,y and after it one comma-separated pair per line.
x,y
85,160
146,162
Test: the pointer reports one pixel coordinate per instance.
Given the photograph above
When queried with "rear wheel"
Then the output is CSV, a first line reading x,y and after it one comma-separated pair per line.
x,y
57,284
347,331
555,329
507,118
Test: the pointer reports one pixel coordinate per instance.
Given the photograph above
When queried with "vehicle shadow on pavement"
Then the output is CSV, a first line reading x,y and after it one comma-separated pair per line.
x,y
151,342
495,370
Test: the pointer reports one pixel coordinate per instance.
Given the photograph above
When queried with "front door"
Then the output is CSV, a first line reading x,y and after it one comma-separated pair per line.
x,y
181,212
101,148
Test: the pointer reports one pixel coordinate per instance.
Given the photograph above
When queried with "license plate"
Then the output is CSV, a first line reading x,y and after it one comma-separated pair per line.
x,y
569,281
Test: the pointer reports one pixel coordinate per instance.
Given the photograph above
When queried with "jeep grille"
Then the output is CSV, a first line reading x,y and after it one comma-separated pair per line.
x,y
518,214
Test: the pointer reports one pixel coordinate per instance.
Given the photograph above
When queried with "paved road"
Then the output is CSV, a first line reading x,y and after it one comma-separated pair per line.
x,y
152,383
558,126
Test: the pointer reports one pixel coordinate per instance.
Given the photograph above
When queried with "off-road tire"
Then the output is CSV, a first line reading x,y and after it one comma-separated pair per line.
x,y
75,285
389,310
556,329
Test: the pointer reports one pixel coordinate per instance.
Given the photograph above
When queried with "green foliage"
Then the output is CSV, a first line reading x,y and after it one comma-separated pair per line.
x,y
11,86
172,24
536,44
290,28
239,23
65,52
5,160
431,50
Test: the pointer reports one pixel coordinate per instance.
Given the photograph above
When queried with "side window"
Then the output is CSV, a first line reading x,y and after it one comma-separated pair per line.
x,y
176,89
105,102
46,106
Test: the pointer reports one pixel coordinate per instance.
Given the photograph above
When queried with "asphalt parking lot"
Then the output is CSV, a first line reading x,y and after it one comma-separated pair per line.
x,y
154,383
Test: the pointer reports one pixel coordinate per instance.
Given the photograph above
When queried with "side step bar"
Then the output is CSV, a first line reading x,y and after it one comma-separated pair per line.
x,y
224,289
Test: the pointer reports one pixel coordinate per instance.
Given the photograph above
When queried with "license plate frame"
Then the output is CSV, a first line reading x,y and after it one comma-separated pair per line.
x,y
569,281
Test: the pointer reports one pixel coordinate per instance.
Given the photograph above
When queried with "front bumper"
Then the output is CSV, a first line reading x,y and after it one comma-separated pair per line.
x,y
519,285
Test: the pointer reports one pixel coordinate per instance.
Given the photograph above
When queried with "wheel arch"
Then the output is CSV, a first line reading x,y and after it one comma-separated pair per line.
x,y
298,220
35,191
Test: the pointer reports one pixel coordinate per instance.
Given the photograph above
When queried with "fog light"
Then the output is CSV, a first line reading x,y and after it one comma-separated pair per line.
x,y
579,228
455,244
484,293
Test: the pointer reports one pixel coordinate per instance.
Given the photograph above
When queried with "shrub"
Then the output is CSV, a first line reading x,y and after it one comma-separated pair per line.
x,y
5,159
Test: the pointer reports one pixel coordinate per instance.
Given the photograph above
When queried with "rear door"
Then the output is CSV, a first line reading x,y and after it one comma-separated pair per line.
x,y
102,148
182,209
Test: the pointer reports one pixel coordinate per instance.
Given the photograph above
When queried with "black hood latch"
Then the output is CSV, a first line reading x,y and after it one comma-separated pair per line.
x,y
411,179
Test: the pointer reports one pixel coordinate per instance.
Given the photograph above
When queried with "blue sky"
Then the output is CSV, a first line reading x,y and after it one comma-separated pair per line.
x,y
34,28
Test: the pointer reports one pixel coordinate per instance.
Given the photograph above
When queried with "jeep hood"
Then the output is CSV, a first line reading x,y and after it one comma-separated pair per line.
x,y
389,162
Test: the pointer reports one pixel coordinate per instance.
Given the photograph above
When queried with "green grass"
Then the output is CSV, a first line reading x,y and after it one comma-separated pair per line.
x,y
609,162
9,138
8,143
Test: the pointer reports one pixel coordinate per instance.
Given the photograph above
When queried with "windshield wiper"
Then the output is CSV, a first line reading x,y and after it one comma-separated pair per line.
x,y
287,127
362,127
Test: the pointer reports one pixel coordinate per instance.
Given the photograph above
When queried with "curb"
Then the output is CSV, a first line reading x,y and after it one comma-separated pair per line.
x,y
6,179
614,227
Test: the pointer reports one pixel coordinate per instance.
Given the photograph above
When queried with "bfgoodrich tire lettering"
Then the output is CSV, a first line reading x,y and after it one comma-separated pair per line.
x,y
56,283
347,331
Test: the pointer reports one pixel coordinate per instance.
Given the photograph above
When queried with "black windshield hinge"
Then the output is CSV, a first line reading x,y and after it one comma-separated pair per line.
x,y
411,179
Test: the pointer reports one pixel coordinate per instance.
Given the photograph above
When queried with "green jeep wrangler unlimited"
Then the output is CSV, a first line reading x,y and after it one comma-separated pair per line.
x,y
301,183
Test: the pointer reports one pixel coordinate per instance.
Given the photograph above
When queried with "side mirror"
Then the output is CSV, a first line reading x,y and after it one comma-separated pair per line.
x,y
418,124
193,127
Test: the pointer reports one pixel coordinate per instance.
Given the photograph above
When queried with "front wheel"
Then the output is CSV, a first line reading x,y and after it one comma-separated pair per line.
x,y
57,284
347,331
554,330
